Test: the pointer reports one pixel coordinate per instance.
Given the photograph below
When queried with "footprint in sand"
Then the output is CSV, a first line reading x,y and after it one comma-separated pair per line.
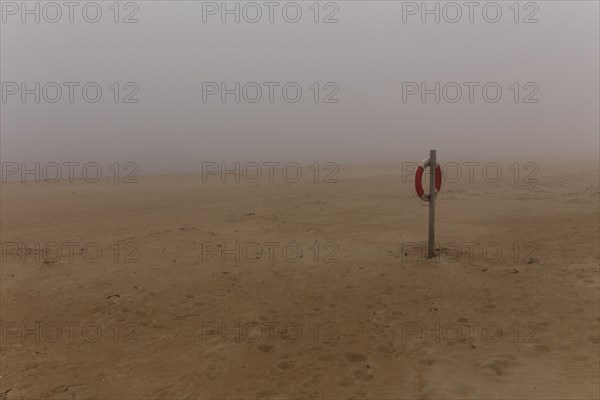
x,y
499,364
363,375
355,357
386,348
542,348
327,357
284,365
265,348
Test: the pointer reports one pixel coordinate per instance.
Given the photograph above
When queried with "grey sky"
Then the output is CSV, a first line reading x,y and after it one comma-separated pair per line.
x,y
367,55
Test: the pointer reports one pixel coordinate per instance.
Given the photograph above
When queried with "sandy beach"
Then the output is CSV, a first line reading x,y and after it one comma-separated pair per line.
x,y
186,286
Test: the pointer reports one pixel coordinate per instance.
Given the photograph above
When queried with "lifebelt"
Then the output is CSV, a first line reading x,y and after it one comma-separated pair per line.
x,y
419,176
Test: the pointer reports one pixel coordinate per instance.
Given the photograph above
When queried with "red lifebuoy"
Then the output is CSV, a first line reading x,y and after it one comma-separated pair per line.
x,y
418,181
419,177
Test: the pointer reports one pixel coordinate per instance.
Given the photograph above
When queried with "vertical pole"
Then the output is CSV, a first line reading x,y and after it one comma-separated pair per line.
x,y
431,244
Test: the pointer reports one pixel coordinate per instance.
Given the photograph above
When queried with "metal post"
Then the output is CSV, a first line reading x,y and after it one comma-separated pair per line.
x,y
432,165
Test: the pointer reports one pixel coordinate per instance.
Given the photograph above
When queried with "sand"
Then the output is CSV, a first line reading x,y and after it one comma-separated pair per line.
x,y
360,314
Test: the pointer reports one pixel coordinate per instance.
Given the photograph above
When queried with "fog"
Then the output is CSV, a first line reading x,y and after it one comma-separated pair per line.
x,y
370,67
